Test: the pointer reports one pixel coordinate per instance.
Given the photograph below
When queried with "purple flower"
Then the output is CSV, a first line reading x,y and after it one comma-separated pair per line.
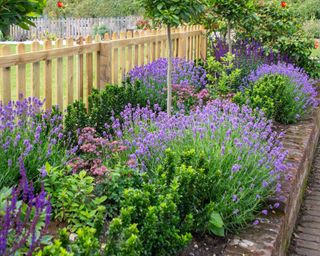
x,y
234,198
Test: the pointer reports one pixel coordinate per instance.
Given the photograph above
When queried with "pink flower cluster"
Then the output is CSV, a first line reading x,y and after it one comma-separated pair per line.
x,y
188,96
93,152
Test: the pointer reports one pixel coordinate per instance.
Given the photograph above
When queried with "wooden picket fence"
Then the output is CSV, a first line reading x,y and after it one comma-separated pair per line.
x,y
65,70
70,27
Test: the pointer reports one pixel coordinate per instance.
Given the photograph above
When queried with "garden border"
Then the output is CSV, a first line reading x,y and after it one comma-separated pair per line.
x,y
272,235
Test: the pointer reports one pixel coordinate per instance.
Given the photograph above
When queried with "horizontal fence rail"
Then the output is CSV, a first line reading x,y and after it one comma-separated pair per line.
x,y
70,27
65,70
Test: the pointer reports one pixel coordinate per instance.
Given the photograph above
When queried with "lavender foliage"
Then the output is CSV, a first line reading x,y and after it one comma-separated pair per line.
x,y
244,156
24,218
30,133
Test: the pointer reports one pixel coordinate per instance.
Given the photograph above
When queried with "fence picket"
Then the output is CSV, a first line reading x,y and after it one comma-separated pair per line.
x,y
6,77
80,70
97,39
122,51
129,59
115,66
59,76
89,68
35,73
48,76
70,81
21,73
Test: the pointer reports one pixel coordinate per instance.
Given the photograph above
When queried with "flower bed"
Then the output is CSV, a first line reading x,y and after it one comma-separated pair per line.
x,y
140,182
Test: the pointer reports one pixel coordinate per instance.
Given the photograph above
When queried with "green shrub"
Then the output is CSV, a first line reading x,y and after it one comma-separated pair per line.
x,y
104,105
274,95
114,184
100,30
284,92
222,75
72,198
157,217
85,244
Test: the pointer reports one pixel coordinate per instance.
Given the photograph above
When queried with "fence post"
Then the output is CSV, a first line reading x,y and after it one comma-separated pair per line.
x,y
105,63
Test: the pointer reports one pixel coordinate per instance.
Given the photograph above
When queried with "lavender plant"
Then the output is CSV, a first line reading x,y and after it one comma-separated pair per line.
x,y
24,218
284,92
153,77
244,157
30,133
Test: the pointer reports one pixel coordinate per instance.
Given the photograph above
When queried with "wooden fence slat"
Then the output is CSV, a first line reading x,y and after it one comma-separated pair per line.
x,y
6,77
129,59
97,39
80,70
59,76
142,50
89,67
136,50
122,51
35,72
70,76
21,74
48,76
115,55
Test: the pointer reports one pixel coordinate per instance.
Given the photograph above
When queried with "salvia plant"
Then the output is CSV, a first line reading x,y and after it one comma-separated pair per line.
x,y
24,218
248,55
31,133
242,153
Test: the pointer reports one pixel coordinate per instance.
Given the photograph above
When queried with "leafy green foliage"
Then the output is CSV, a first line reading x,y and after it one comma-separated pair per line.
x,y
114,185
275,95
222,75
232,12
171,13
157,216
85,244
280,30
103,106
308,9
100,30
92,8
72,198
19,12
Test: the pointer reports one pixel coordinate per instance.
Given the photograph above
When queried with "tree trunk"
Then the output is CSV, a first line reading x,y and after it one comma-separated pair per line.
x,y
229,37
169,74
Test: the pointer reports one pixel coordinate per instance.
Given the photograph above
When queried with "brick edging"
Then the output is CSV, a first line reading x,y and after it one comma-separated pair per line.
x,y
272,235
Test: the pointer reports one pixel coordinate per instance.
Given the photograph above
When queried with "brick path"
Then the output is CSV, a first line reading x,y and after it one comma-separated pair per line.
x,y
306,238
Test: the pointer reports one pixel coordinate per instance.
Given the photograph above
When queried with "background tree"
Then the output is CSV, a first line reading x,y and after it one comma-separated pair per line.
x,y
92,8
19,12
232,12
171,14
